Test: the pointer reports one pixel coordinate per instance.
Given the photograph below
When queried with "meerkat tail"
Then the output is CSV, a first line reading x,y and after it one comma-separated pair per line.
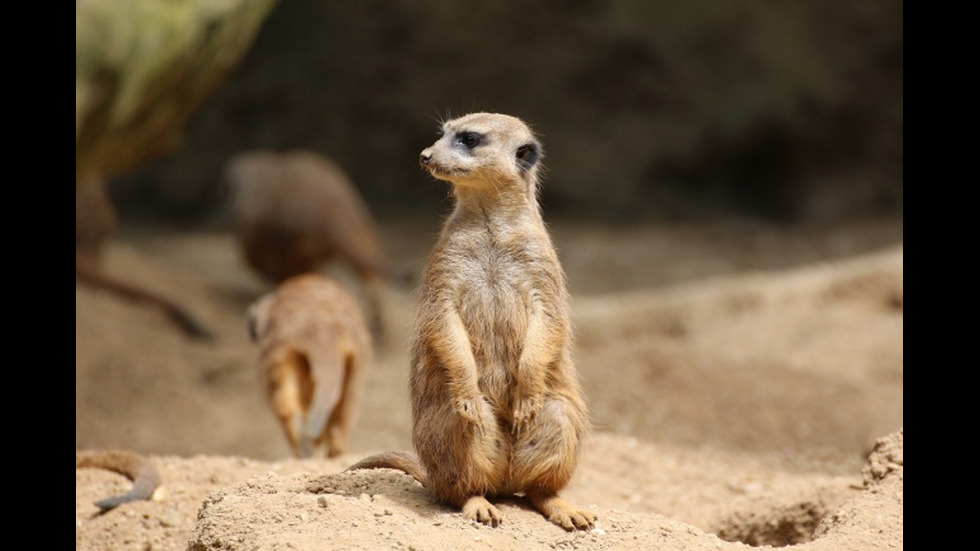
x,y
184,320
188,324
139,469
324,400
407,462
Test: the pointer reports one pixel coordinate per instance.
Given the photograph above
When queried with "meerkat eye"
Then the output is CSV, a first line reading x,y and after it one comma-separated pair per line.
x,y
527,155
469,140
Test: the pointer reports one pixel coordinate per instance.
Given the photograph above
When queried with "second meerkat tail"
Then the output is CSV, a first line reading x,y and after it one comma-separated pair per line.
x,y
324,400
180,317
144,474
407,462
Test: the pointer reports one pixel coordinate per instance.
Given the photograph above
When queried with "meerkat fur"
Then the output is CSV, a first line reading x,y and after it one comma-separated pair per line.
x,y
497,406
314,347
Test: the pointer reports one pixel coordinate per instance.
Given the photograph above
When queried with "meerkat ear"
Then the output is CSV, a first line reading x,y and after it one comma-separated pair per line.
x,y
527,155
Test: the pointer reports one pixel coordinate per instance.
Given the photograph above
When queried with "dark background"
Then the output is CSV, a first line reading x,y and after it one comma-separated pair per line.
x,y
784,111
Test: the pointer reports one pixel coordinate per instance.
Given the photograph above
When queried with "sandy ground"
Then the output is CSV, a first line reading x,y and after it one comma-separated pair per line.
x,y
746,383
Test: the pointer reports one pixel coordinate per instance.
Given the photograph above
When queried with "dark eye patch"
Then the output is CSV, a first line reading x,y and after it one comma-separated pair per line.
x,y
469,140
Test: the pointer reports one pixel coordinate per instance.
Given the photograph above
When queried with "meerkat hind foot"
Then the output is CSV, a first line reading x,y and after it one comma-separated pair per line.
x,y
479,509
562,513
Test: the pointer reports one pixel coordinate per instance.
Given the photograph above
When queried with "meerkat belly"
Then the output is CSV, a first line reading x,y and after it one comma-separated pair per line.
x,y
493,307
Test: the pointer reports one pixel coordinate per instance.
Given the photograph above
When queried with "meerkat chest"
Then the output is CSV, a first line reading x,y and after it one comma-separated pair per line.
x,y
498,280
496,270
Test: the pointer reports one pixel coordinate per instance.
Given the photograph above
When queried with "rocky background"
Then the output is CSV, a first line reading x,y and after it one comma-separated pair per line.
x,y
648,110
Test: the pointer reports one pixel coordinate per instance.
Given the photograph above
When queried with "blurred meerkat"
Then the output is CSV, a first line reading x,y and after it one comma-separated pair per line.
x,y
95,219
297,210
496,403
314,347
141,470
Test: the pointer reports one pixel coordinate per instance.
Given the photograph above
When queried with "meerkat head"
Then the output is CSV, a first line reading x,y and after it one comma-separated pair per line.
x,y
485,149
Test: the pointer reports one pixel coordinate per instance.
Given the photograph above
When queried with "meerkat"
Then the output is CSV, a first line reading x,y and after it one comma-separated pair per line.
x,y
147,482
95,219
497,407
297,210
314,348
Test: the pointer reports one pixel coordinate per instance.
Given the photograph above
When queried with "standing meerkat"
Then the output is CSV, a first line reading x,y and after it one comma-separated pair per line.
x,y
297,210
497,406
314,347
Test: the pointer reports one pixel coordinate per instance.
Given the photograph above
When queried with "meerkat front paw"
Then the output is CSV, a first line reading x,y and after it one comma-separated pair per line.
x,y
525,410
471,409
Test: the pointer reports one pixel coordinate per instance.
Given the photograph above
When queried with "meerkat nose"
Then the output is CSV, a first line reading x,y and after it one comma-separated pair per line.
x,y
425,157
